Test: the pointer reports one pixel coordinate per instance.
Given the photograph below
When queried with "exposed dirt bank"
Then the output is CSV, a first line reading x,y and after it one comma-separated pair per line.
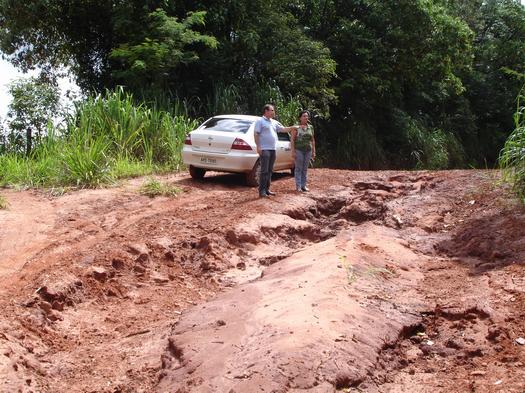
x,y
374,281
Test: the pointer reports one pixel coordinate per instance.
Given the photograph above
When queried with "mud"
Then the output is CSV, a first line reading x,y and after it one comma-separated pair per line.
x,y
374,281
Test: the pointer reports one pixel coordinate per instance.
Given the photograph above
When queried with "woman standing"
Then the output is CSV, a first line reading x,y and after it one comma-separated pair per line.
x,y
303,149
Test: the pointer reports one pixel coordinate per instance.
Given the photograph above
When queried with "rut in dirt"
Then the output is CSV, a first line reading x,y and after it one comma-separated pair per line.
x,y
127,261
332,277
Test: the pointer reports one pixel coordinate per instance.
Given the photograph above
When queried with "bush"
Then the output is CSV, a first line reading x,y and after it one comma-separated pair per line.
x,y
153,188
433,148
512,156
355,146
109,137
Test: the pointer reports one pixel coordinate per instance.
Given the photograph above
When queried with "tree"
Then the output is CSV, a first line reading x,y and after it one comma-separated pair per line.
x,y
35,103
404,82
51,34
499,47
260,43
398,64
102,42
150,59
169,46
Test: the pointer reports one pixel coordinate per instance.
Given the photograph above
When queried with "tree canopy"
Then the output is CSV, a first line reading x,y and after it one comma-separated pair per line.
x,y
35,102
405,83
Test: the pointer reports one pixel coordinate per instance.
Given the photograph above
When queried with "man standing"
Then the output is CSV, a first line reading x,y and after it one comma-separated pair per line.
x,y
266,129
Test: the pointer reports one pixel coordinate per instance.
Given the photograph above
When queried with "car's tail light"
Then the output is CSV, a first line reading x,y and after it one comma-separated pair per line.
x,y
187,141
239,144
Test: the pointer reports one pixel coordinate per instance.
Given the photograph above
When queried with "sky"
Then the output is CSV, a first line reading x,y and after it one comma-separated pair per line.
x,y
8,73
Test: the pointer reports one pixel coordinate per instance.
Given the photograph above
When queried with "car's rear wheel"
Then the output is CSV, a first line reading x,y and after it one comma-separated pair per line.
x,y
197,173
253,177
292,171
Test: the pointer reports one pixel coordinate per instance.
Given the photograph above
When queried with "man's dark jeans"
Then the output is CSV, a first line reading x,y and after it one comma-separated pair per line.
x,y
267,160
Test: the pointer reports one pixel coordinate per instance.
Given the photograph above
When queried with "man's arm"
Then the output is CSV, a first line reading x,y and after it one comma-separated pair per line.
x,y
286,129
313,145
257,143
292,142
257,135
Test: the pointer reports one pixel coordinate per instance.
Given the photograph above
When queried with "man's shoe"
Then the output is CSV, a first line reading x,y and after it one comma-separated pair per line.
x,y
270,193
299,189
263,195
305,189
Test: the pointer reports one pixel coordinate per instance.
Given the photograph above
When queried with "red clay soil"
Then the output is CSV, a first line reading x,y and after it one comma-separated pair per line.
x,y
372,282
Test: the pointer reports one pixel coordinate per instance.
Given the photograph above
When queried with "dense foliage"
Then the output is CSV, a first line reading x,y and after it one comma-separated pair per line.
x,y
512,157
404,83
34,103
108,138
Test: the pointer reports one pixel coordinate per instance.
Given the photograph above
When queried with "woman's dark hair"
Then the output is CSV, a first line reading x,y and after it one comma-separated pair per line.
x,y
303,112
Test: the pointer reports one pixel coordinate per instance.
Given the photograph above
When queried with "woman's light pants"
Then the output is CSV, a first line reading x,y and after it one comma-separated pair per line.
x,y
302,159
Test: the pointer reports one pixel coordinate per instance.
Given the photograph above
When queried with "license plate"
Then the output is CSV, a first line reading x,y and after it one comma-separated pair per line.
x,y
207,160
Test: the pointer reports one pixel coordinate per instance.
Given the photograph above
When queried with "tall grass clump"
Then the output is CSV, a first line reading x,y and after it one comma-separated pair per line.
x,y
13,169
224,99
41,168
169,101
108,137
287,107
153,188
356,146
433,148
86,160
512,156
112,136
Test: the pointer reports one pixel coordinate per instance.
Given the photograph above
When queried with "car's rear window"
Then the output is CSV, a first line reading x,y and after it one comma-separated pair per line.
x,y
226,124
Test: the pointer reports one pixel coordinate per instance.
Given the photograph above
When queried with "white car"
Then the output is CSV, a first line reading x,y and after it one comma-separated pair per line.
x,y
226,143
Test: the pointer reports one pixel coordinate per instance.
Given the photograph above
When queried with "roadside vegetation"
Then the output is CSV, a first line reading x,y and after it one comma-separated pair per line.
x,y
512,157
153,187
410,84
107,138
112,136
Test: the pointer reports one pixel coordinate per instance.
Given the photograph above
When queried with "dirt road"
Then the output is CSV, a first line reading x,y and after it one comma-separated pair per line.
x,y
372,282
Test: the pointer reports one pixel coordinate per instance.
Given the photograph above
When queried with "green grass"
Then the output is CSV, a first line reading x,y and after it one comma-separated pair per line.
x,y
125,167
3,203
512,156
109,137
153,188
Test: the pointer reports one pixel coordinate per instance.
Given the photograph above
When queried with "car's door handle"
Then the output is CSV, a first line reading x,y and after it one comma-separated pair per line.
x,y
287,149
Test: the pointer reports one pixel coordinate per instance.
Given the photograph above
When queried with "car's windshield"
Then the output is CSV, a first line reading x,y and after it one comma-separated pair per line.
x,y
228,125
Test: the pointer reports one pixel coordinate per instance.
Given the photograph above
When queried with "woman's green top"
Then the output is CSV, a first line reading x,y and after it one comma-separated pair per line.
x,y
303,140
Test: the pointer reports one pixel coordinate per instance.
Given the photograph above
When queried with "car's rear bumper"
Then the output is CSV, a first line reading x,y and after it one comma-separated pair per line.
x,y
232,162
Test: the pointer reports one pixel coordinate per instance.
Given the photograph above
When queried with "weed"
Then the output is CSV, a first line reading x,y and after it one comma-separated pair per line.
x,y
153,188
3,203
512,156
351,275
109,137
374,271
57,191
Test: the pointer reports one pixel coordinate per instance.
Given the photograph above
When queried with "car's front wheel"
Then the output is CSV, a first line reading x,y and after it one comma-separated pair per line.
x,y
197,173
253,177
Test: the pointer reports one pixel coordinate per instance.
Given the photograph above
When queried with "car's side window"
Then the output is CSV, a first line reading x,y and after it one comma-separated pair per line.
x,y
283,136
